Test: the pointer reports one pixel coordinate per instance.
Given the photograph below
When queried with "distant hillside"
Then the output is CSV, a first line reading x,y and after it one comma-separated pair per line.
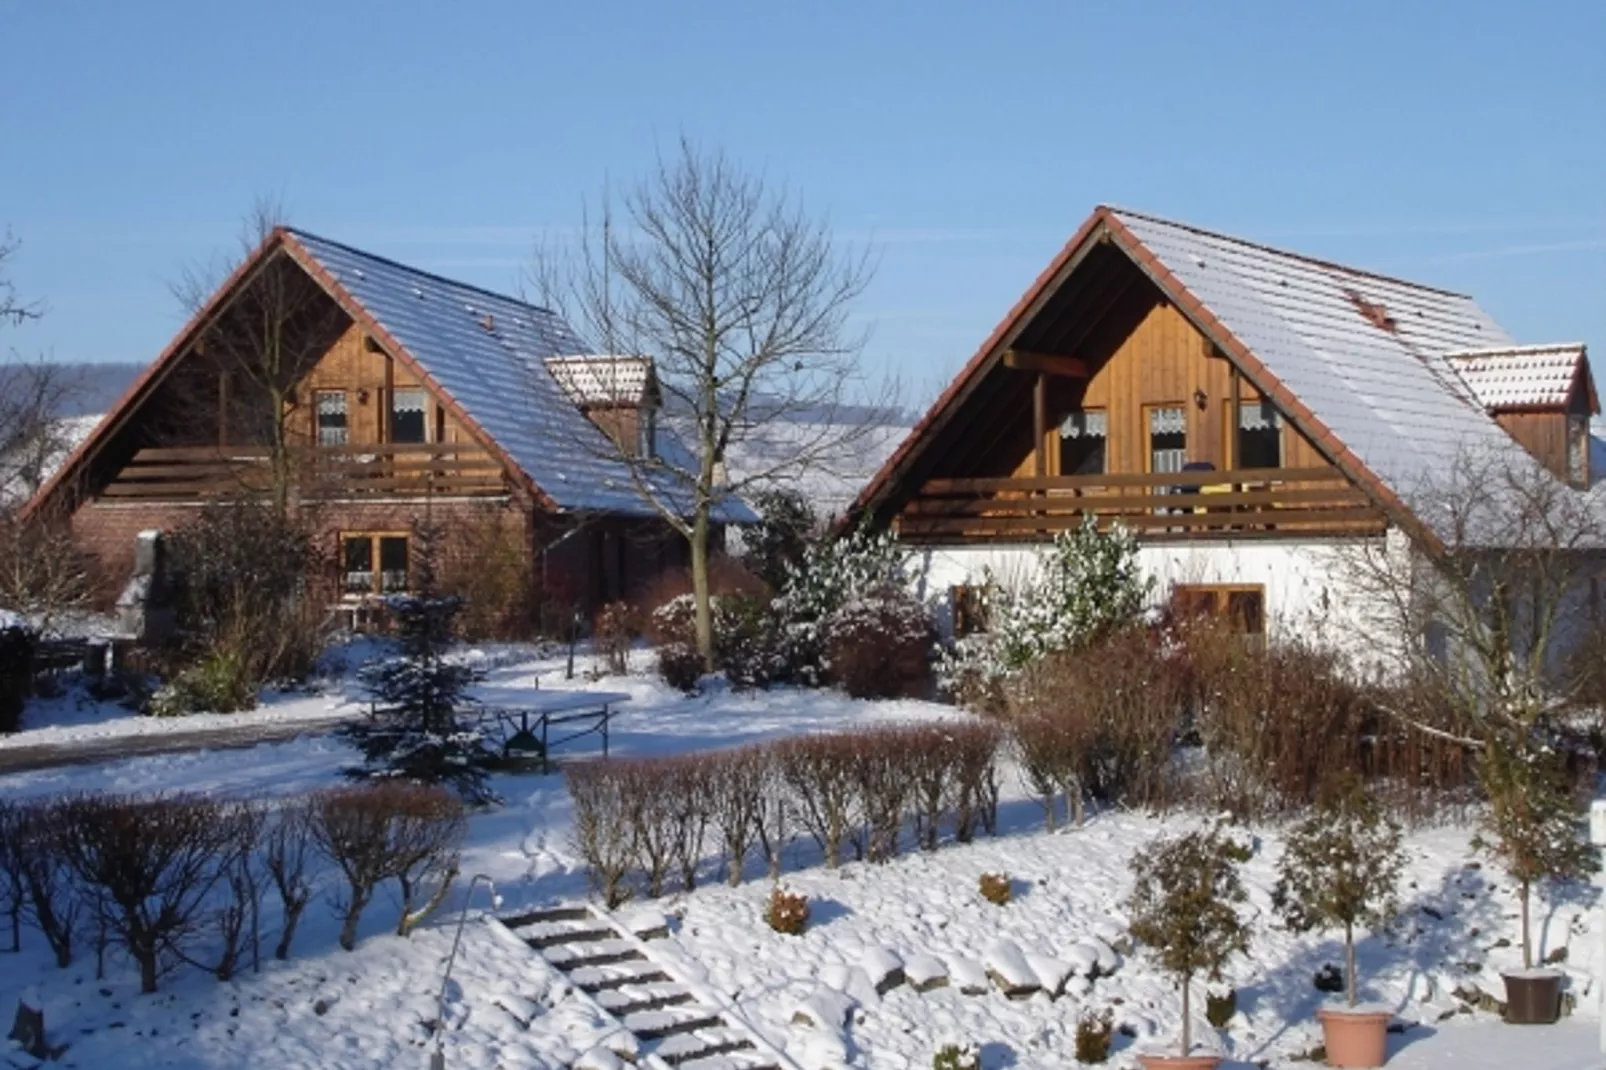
x,y
97,386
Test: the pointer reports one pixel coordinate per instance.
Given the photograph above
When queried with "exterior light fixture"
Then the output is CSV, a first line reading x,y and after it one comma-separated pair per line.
x,y
1200,398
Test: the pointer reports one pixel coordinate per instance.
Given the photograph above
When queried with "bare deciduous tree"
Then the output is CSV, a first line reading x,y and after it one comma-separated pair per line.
x,y
262,342
1480,617
13,309
743,302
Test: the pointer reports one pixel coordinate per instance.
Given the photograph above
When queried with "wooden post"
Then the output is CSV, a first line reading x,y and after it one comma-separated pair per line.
x,y
1234,416
1040,422
222,408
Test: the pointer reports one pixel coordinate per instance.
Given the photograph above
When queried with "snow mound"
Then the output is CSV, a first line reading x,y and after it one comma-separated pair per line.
x,y
925,972
826,1009
884,968
1006,964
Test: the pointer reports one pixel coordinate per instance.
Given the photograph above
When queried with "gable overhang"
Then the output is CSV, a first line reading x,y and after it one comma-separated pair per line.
x,y
1105,227
280,240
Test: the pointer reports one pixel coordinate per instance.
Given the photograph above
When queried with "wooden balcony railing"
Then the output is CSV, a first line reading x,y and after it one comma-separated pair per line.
x,y
317,472
1249,503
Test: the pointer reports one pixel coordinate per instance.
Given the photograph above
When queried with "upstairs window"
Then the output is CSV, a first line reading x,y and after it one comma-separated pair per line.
x,y
1082,438
407,422
331,406
374,563
1260,435
1168,438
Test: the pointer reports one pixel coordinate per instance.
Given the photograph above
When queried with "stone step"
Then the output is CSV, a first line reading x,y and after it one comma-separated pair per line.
x,y
680,1048
542,935
548,914
628,999
568,957
671,1021
741,1059
594,979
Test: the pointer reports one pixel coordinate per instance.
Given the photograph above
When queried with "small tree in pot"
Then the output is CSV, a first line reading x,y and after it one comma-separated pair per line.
x,y
1341,867
1184,909
1532,826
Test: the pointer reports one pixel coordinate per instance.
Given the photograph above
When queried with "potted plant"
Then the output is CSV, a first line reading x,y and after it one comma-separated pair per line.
x,y
1341,868
1531,825
1184,910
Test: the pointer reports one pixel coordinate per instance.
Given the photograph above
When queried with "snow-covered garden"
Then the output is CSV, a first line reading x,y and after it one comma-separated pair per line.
x,y
826,998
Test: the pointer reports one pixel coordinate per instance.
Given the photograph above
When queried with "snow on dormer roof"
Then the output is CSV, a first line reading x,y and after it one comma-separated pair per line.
x,y
604,379
1519,377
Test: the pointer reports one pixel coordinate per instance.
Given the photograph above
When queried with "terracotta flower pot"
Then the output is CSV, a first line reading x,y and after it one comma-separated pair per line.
x,y
1533,997
1179,1062
1355,1037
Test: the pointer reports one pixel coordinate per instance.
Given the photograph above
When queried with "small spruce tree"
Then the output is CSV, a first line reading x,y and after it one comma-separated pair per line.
x,y
1341,867
1531,824
414,732
1184,908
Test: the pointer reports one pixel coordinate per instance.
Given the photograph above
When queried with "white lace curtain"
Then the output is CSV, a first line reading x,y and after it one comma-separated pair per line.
x,y
1258,416
1092,424
1167,422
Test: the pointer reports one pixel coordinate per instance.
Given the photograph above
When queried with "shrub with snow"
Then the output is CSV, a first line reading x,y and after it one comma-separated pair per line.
x,y
1087,582
879,643
613,632
786,912
995,888
1095,1031
831,573
965,1056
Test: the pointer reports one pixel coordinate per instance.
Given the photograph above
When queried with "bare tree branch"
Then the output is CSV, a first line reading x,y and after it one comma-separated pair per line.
x,y
743,302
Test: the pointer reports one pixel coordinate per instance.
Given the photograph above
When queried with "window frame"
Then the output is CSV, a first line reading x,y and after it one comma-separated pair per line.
x,y
318,414
1101,449
1221,594
376,570
423,411
1148,434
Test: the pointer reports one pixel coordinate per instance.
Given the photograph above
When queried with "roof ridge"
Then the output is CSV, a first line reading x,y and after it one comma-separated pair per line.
x,y
1289,253
1516,350
410,269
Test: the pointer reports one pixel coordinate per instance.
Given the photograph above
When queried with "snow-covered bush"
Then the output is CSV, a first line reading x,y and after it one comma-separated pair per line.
x,y
1095,1032
680,666
879,643
1184,907
218,682
963,1056
774,546
1340,867
831,573
786,912
747,641
414,732
1087,582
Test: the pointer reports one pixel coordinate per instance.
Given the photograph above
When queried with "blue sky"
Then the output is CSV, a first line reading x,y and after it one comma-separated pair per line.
x,y
1455,144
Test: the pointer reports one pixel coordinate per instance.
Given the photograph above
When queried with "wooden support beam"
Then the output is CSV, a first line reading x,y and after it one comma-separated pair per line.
x,y
1040,424
1235,386
1047,364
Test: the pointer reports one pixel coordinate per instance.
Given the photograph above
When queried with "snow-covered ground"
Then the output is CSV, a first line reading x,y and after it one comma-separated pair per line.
x,y
507,1008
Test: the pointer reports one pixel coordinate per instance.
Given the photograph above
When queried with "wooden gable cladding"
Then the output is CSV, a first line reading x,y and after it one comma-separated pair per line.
x,y
1109,342
369,376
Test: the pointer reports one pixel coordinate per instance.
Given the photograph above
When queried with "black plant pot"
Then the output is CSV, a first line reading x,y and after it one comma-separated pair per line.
x,y
1533,997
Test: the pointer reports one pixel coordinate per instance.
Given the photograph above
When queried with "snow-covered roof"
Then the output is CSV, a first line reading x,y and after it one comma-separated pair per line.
x,y
1366,354
1520,377
490,354
604,380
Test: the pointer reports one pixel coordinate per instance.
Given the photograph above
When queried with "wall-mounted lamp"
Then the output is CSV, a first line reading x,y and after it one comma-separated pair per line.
x,y
1200,398
362,397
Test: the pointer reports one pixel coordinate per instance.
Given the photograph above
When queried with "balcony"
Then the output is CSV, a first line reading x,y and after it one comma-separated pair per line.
x,y
1243,504
319,473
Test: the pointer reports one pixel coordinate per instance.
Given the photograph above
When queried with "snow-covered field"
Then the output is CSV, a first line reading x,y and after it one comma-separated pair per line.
x,y
507,1008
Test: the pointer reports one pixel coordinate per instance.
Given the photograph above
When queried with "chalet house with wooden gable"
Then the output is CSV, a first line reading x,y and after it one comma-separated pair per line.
x,y
405,396
1244,410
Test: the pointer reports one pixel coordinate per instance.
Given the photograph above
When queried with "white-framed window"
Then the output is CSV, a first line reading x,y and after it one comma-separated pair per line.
x,y
1168,438
1260,435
